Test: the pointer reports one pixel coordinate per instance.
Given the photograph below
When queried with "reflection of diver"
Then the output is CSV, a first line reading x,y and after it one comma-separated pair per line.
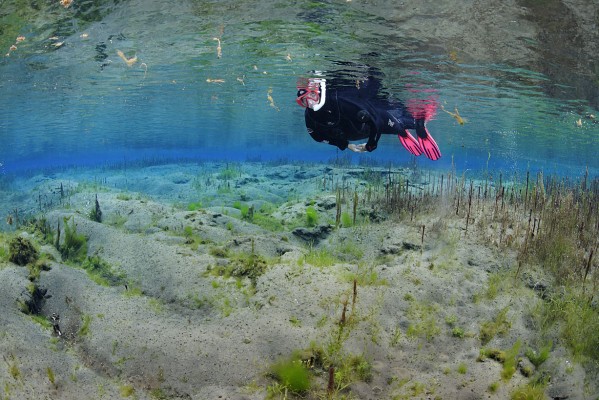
x,y
339,115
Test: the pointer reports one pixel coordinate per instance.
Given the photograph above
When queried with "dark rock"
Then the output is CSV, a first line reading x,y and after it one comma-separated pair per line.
x,y
313,235
327,203
410,246
390,249
247,180
303,174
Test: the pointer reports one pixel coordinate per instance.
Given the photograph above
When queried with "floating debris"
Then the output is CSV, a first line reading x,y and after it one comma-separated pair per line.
x,y
288,57
219,49
215,80
455,115
66,3
84,35
128,61
20,39
271,100
241,80
579,122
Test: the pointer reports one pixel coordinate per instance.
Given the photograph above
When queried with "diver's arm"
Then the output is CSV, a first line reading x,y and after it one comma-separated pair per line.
x,y
368,126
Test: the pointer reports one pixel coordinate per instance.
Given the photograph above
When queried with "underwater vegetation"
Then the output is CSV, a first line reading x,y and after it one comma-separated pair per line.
x,y
96,213
324,370
551,222
21,251
74,246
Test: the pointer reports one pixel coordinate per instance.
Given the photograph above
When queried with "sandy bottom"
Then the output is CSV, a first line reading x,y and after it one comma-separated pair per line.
x,y
180,324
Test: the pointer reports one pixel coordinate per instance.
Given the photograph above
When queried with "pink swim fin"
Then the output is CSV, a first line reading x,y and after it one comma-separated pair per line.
x,y
429,146
408,141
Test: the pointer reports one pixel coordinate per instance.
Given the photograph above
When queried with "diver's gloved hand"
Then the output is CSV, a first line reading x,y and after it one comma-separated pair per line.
x,y
358,148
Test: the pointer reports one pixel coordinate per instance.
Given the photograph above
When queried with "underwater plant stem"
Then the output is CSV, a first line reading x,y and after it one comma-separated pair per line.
x,y
589,264
468,214
331,383
355,295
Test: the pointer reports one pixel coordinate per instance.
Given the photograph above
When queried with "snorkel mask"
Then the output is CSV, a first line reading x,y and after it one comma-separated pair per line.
x,y
311,93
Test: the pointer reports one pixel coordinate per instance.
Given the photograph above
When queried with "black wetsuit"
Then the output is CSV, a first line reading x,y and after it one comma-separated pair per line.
x,y
352,113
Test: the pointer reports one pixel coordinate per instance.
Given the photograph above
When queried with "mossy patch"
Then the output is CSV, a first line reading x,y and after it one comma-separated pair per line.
x,y
21,251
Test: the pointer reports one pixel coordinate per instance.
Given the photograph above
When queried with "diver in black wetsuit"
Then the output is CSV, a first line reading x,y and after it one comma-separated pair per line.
x,y
338,116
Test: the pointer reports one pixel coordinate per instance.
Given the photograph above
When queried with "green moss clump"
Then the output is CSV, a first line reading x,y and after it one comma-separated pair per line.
x,y
311,216
242,265
346,220
293,375
194,206
529,392
74,247
493,354
21,251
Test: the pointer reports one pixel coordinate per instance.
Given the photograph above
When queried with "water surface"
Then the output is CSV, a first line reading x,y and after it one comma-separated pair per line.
x,y
523,73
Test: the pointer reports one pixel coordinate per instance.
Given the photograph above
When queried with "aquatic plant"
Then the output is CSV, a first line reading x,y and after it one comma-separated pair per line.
x,y
41,227
13,367
229,172
241,265
538,358
577,321
423,320
510,362
21,251
311,216
320,258
194,206
458,332
493,387
74,246
293,375
188,233
346,220
103,273
85,330
95,213
268,222
499,325
51,376
41,264
126,390
528,392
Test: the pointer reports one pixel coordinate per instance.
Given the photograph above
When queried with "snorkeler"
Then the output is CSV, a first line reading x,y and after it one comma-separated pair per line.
x,y
339,115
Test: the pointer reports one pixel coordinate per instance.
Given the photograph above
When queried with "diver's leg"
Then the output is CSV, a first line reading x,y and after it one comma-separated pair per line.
x,y
408,141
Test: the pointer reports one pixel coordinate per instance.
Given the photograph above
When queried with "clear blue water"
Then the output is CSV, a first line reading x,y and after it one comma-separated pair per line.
x,y
526,82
